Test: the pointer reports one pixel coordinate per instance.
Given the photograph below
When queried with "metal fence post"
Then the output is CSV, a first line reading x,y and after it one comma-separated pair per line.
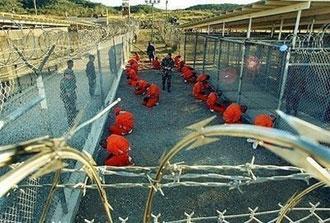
x,y
219,64
215,51
285,77
195,50
100,74
205,50
239,91
185,47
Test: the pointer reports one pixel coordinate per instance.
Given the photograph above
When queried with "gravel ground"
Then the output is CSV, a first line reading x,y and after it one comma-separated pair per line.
x,y
157,130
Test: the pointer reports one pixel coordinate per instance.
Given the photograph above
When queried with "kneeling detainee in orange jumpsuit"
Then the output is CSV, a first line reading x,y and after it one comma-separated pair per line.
x,y
213,105
124,122
233,113
201,89
156,64
119,148
141,87
265,120
152,96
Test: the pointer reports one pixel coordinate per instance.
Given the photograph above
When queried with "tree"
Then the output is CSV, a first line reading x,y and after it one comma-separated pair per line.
x,y
11,6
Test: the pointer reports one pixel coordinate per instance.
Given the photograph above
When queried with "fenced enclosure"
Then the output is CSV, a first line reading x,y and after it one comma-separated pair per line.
x,y
212,173
259,73
40,95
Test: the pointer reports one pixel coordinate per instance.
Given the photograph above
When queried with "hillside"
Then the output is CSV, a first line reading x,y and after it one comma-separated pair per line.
x,y
214,7
56,7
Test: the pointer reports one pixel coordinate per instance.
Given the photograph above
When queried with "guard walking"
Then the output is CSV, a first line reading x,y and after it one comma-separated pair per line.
x,y
167,66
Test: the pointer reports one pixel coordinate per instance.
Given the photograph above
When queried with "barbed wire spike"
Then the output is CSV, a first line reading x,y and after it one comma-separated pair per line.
x,y
155,218
122,220
235,184
249,167
199,125
253,216
156,187
201,141
221,216
189,217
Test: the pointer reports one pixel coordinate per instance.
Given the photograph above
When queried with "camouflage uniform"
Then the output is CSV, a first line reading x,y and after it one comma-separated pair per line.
x,y
166,75
68,95
90,71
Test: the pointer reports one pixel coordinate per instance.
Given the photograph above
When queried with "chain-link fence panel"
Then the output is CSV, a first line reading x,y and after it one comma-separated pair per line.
x,y
189,47
307,86
262,76
200,52
50,89
230,60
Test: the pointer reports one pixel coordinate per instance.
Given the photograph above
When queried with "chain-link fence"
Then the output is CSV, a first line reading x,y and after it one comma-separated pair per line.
x,y
263,76
50,81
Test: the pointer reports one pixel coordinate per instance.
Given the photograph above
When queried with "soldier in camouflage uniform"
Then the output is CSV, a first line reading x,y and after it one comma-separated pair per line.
x,y
90,71
68,93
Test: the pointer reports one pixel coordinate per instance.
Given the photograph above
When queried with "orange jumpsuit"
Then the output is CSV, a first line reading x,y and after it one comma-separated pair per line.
x,y
180,66
199,90
177,60
132,76
124,123
152,96
188,74
212,103
137,57
135,66
117,145
141,87
203,77
156,64
263,120
233,114
120,160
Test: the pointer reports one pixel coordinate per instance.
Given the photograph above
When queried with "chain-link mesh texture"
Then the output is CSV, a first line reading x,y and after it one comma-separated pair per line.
x,y
49,81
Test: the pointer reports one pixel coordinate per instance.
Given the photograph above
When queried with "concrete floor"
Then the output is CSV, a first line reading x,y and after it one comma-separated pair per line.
x,y
157,130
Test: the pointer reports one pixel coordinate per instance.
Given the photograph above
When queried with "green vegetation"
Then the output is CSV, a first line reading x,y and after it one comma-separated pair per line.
x,y
214,7
56,7
85,8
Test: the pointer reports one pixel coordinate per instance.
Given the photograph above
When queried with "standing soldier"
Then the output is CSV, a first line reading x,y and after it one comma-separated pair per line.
x,y
151,52
167,66
90,71
68,93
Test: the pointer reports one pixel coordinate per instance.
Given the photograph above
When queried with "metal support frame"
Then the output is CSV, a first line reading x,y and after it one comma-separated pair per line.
x,y
195,49
239,91
223,29
268,60
100,74
284,79
185,47
205,50
281,29
248,35
311,30
272,32
219,64
214,51
296,29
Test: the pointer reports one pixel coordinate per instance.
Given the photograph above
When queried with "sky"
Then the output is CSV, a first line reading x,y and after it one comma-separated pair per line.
x,y
174,4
